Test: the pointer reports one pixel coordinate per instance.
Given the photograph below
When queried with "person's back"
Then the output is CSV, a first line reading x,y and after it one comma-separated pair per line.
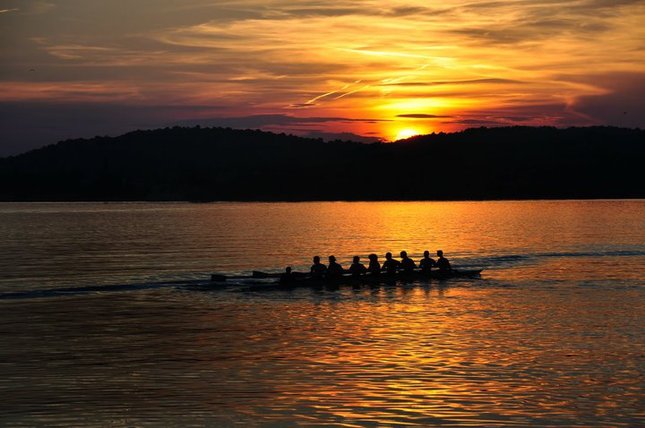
x,y
407,264
357,268
426,263
442,263
374,267
318,270
390,265
334,269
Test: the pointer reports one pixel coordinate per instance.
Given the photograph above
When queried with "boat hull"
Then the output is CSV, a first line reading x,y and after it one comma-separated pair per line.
x,y
297,281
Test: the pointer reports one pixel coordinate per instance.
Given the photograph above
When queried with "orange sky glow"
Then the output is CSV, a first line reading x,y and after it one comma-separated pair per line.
x,y
372,68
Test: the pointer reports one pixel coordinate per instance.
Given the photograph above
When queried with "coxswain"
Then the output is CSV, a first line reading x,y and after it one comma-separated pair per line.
x,y
407,264
390,265
318,270
442,263
426,263
287,276
357,268
374,268
334,270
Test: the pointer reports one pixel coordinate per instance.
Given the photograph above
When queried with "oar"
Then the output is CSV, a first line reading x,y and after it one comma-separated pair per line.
x,y
260,274
256,274
221,277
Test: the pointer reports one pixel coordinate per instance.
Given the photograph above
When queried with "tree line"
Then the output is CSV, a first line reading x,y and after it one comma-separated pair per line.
x,y
217,164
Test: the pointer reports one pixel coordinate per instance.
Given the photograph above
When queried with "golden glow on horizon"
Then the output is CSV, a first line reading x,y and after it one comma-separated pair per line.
x,y
406,133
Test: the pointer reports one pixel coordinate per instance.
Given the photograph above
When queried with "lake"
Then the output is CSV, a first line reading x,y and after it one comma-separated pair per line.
x,y
108,317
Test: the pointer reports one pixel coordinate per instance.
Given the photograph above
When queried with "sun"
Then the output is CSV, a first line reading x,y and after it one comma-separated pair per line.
x,y
406,133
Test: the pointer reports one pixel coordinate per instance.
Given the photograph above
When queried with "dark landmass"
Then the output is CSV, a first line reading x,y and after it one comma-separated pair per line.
x,y
213,164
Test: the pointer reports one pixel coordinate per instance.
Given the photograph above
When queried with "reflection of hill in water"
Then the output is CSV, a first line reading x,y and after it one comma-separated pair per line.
x,y
226,164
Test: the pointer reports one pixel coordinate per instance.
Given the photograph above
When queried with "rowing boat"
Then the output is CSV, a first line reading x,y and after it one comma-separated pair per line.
x,y
299,279
384,277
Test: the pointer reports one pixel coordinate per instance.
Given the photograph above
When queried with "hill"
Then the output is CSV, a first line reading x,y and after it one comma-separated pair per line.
x,y
204,164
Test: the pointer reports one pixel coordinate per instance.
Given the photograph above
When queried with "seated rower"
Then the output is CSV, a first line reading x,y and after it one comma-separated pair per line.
x,y
407,264
287,276
390,265
334,270
374,268
426,262
357,268
318,270
442,263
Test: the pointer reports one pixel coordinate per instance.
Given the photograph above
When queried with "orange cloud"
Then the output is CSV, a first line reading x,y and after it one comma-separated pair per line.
x,y
443,67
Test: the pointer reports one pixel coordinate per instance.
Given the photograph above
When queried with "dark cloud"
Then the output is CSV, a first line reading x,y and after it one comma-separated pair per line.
x,y
592,6
517,118
623,105
320,11
264,120
537,22
478,122
407,11
546,114
420,116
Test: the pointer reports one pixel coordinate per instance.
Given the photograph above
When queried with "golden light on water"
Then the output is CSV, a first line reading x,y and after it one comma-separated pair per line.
x,y
514,348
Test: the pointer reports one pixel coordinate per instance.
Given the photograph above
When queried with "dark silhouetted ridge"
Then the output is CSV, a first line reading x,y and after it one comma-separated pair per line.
x,y
209,164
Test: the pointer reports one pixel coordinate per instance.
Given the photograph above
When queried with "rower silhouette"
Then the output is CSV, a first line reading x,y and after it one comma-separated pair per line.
x,y
374,267
334,270
318,270
390,265
426,263
357,268
407,264
442,263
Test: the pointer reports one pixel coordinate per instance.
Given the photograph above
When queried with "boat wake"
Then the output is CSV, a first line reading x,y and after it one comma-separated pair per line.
x,y
514,260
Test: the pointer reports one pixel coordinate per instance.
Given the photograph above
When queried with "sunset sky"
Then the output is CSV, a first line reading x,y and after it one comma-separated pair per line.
x,y
386,69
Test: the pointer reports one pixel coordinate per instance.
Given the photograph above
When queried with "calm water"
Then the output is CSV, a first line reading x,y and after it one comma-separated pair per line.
x,y
106,318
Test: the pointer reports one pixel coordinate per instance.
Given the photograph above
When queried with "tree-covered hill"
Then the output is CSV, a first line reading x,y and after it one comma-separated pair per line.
x,y
204,164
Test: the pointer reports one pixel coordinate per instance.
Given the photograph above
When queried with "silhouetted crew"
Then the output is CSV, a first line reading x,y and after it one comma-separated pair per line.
x,y
287,276
426,263
374,268
390,265
334,270
357,268
442,263
407,264
318,270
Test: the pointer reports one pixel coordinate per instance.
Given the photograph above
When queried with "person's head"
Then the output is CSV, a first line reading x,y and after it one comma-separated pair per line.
x,y
332,259
440,253
404,254
388,256
373,257
316,259
356,259
426,254
288,269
